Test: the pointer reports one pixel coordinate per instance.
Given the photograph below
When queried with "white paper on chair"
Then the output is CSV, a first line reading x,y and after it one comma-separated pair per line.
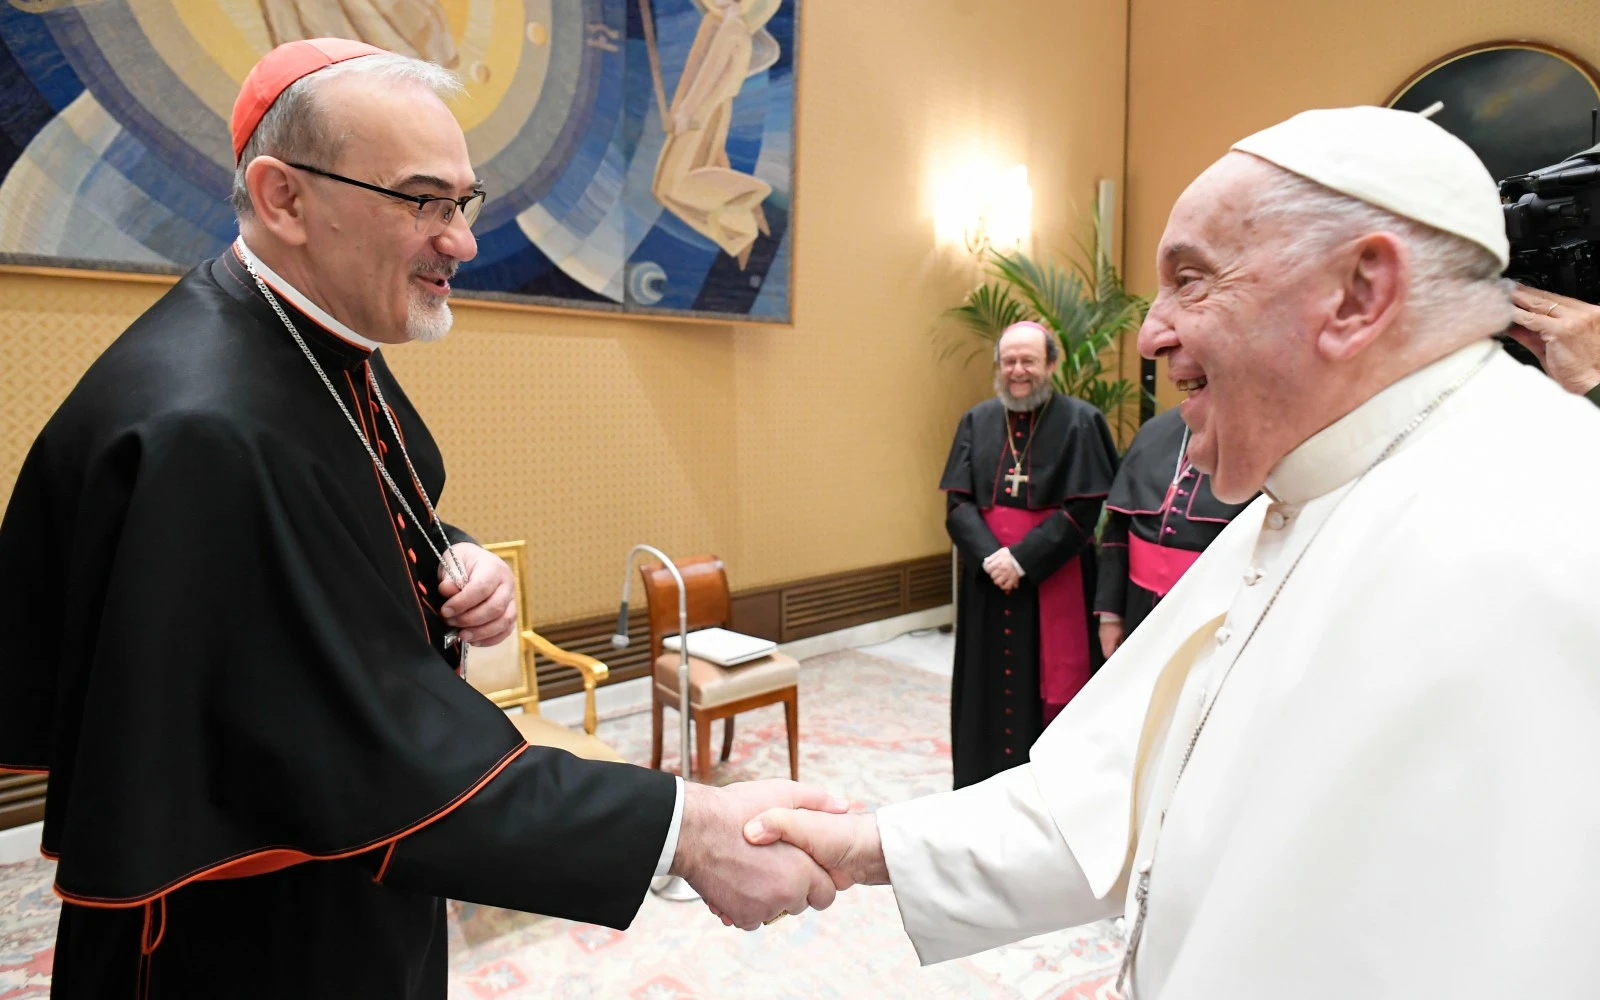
x,y
724,648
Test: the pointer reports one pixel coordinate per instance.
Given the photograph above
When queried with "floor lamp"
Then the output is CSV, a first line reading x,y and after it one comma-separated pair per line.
x,y
670,887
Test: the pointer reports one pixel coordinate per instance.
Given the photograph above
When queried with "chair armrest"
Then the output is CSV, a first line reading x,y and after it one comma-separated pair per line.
x,y
591,669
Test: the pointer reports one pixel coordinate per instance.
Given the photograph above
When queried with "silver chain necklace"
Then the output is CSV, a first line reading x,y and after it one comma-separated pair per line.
x,y
446,557
1141,891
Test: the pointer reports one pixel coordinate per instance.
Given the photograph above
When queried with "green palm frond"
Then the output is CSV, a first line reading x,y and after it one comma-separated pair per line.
x,y
988,310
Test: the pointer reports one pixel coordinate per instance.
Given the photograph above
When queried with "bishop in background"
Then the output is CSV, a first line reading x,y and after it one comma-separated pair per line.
x,y
1160,516
1026,477
1352,753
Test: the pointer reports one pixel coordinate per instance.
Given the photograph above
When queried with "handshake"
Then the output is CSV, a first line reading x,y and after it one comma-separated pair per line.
x,y
760,849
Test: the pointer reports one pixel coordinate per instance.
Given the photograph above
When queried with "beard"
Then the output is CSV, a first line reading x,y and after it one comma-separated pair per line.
x,y
427,321
428,317
1032,401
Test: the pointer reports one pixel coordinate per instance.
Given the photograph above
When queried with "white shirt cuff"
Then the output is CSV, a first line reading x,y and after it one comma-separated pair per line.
x,y
669,850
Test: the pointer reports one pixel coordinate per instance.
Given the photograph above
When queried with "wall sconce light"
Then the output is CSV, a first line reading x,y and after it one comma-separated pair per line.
x,y
983,210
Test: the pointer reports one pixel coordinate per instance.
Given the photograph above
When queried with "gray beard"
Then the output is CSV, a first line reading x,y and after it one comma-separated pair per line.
x,y
428,318
1032,401
428,322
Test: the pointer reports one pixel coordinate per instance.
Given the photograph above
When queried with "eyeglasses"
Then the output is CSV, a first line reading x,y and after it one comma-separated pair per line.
x,y
433,211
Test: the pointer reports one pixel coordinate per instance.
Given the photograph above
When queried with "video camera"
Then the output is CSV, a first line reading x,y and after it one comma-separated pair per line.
x,y
1553,222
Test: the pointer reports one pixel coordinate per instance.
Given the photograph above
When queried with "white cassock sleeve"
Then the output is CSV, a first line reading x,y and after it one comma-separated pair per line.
x,y
983,866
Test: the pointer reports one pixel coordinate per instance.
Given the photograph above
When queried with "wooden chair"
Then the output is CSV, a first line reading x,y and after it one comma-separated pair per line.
x,y
506,673
714,692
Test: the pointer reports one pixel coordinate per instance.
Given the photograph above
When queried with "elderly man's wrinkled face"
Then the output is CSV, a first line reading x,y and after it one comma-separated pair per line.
x,y
1231,319
387,265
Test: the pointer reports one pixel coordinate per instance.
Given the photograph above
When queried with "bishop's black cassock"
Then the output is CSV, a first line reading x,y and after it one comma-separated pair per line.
x,y
1022,656
1160,516
221,643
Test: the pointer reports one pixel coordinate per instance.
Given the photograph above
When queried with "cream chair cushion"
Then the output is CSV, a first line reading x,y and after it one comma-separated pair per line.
x,y
497,669
711,685
539,731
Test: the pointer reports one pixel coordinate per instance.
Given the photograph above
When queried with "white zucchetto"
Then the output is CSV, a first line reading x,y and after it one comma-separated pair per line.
x,y
1396,160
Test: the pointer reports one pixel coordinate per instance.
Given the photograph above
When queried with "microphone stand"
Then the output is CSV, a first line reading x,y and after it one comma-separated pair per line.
x,y
669,887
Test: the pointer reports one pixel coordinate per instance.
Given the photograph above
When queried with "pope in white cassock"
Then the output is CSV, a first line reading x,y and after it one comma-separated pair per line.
x,y
1355,752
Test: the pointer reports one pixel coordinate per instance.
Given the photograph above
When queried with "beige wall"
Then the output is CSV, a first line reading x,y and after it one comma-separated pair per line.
x,y
1205,73
791,452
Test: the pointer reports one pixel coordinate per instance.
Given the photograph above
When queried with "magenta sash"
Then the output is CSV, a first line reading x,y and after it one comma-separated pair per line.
x,y
1063,629
1157,567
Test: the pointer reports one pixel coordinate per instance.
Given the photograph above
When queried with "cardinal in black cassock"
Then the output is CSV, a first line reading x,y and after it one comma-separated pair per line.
x,y
223,643
224,648
1030,481
1161,515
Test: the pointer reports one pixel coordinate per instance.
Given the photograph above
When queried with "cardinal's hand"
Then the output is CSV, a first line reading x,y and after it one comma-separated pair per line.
x,y
745,885
485,610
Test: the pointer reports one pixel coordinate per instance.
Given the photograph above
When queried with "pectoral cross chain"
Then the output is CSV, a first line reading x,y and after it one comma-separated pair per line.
x,y
1016,479
1141,896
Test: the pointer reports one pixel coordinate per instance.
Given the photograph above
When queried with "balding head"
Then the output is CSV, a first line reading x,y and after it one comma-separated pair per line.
x,y
1283,305
1025,358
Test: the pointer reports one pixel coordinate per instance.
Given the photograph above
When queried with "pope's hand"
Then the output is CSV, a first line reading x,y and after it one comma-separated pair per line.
x,y
746,885
847,846
485,610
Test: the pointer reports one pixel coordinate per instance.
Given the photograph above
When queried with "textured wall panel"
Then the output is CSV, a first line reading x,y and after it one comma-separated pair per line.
x,y
50,330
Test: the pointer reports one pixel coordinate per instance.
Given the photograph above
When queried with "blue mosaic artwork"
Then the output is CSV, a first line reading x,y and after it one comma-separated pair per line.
x,y
639,154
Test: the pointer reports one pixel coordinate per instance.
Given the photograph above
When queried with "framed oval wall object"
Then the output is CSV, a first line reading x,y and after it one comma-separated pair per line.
x,y
1519,105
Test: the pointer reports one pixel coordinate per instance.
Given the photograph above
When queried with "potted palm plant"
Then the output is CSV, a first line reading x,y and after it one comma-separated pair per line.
x,y
1085,305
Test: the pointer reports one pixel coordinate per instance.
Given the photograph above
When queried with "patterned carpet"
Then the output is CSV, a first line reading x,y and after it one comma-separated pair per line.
x,y
873,731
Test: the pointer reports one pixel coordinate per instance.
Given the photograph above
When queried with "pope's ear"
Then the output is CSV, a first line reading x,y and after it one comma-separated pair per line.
x,y
277,193
1375,273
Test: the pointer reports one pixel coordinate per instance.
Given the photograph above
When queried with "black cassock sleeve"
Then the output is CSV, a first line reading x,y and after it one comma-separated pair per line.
x,y
1111,588
551,834
963,520
1058,538
968,530
457,536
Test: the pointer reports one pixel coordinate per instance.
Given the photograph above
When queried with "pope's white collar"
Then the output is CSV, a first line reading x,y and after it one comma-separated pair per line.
x,y
299,300
1342,451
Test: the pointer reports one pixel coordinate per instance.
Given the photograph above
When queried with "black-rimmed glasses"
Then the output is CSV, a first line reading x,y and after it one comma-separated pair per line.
x,y
436,211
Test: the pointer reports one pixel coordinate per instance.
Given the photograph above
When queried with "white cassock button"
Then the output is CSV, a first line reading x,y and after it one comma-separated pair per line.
x,y
1224,634
1251,575
1276,520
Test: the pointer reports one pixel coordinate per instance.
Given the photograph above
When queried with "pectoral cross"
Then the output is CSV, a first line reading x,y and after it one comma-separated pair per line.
x,y
1016,479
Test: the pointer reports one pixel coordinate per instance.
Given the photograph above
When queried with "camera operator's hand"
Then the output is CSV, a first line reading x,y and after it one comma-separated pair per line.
x,y
1564,333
